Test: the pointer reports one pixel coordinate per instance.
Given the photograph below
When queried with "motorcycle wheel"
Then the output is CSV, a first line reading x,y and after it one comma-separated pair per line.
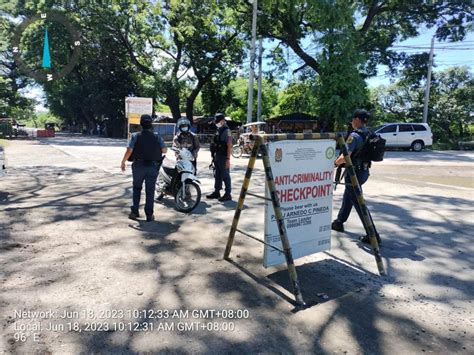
x,y
191,199
236,151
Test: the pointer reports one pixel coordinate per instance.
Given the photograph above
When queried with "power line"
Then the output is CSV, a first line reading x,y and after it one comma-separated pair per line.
x,y
443,47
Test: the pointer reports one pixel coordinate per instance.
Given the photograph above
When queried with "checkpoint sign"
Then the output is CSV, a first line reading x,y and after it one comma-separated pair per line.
x,y
303,173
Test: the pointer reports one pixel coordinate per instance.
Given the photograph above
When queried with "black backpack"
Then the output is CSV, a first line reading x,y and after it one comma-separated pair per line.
x,y
373,148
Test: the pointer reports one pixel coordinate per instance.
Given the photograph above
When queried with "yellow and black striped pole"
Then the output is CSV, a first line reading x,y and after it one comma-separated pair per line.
x,y
366,220
281,222
243,193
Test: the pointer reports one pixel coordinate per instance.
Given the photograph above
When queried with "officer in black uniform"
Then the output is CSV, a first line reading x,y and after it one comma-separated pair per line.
x,y
354,142
145,150
221,149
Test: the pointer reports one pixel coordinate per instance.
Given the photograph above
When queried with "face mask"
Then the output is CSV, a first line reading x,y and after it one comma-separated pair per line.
x,y
184,129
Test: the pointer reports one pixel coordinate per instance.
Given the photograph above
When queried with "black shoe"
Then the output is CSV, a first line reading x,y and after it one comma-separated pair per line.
x,y
215,194
337,226
133,215
366,240
150,217
226,197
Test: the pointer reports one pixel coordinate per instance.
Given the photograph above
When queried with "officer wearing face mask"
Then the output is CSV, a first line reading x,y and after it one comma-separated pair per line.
x,y
221,149
186,139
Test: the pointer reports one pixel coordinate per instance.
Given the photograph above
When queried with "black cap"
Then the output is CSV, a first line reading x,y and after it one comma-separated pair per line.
x,y
361,114
219,117
146,121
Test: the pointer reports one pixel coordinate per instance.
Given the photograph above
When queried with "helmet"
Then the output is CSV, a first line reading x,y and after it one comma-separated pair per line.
x,y
183,121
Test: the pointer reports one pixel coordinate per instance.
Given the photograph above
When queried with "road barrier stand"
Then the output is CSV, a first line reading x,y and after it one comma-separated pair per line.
x,y
260,144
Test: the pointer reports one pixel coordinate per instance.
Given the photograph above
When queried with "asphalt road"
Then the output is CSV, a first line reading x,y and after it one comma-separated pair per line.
x,y
67,247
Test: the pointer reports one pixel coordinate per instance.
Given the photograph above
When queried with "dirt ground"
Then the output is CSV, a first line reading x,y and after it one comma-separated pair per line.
x,y
78,276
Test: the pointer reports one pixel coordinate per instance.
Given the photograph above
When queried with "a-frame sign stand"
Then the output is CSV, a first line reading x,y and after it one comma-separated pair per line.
x,y
286,248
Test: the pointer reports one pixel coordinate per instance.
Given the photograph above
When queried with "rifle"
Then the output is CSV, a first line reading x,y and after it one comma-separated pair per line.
x,y
339,174
213,156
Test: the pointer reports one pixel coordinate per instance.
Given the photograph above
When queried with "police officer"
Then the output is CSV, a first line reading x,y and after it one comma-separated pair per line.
x,y
186,139
221,148
145,150
354,142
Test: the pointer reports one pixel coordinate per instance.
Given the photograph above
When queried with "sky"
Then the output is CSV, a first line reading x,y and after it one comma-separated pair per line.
x,y
446,54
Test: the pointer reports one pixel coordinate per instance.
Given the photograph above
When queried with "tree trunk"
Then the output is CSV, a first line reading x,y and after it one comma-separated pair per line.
x,y
173,103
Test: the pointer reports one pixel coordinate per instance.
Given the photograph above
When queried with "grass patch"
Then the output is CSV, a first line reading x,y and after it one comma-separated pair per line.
x,y
3,142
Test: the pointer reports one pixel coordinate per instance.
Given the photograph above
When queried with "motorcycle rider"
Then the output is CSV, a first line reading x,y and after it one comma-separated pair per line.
x,y
145,150
249,143
186,139
221,149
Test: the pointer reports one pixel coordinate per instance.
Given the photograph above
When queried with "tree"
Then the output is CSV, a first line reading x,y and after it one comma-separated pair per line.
x,y
351,37
12,102
179,44
299,96
235,95
450,106
98,84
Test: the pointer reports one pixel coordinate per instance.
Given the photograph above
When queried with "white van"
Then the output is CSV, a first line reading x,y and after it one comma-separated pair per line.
x,y
406,135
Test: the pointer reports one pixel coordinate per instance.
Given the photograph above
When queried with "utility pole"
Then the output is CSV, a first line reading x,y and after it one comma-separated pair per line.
x,y
252,63
259,95
428,82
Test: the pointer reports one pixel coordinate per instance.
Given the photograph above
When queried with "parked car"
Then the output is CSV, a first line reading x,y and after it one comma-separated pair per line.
x,y
415,136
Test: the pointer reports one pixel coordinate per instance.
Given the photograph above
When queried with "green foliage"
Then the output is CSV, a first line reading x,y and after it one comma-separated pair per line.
x,y
165,50
235,95
12,102
350,38
38,120
298,97
450,107
185,54
179,46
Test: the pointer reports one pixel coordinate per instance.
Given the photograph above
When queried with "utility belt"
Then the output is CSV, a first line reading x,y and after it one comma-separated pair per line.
x,y
362,165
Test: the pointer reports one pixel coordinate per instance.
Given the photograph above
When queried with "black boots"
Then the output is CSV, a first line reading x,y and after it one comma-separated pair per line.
x,y
215,194
225,197
337,226
365,239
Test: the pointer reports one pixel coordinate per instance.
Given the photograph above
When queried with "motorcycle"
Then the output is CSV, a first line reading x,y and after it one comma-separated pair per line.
x,y
242,147
178,179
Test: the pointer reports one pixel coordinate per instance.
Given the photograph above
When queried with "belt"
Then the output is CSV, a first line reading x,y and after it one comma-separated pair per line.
x,y
362,166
